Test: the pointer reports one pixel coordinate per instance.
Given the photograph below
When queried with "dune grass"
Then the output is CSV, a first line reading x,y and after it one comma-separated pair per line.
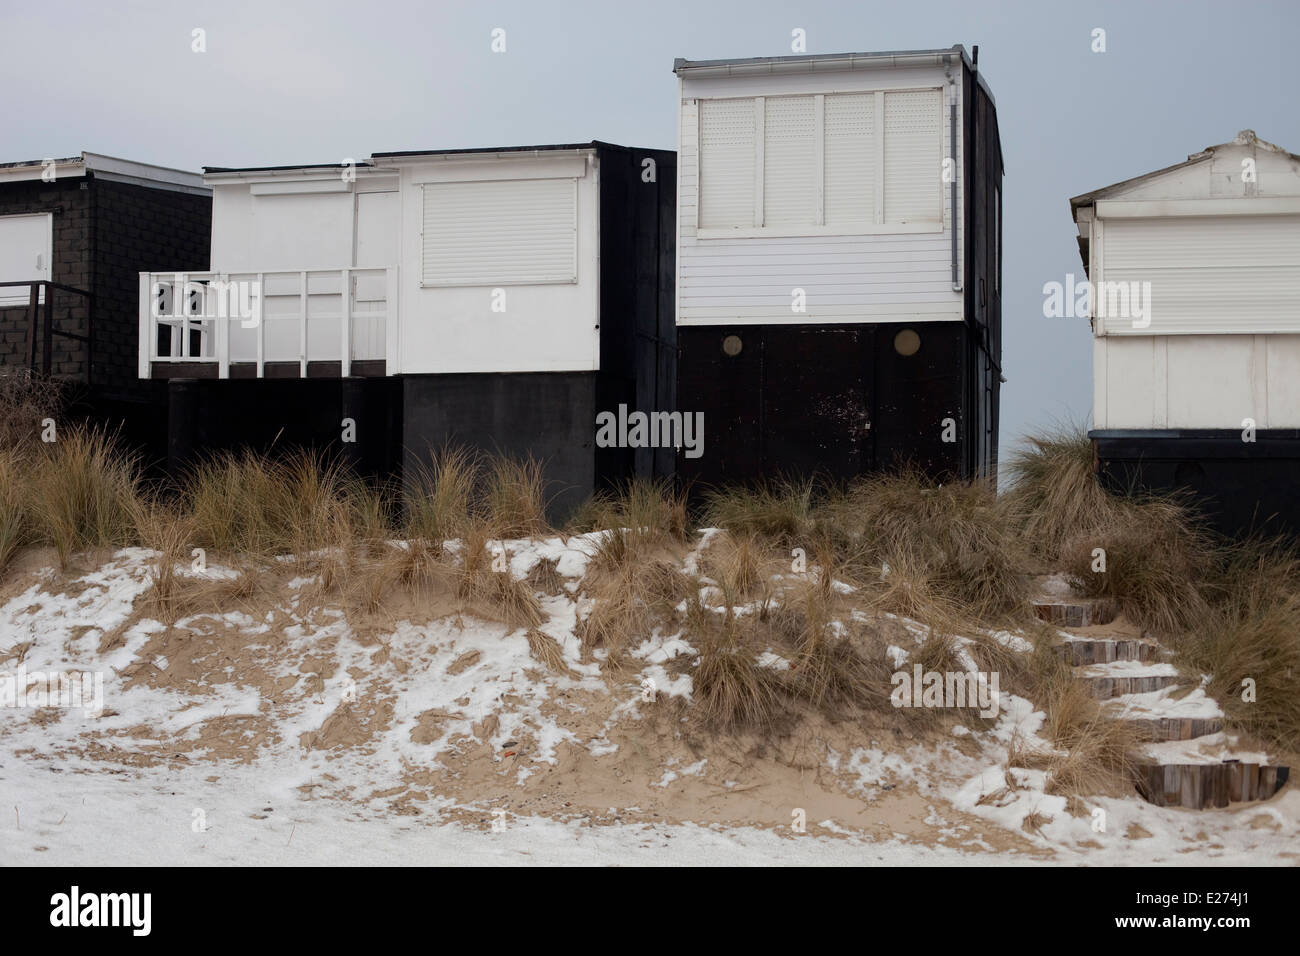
x,y
83,491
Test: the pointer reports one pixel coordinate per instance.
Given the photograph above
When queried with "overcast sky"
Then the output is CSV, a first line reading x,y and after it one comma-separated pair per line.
x,y
284,83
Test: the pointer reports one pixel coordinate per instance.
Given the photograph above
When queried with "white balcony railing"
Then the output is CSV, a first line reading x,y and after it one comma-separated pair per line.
x,y
314,315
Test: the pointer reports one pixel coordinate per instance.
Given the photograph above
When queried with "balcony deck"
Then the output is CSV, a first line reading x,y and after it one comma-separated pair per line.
x,y
270,324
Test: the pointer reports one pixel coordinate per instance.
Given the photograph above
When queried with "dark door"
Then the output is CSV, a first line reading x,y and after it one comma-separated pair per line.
x,y
816,397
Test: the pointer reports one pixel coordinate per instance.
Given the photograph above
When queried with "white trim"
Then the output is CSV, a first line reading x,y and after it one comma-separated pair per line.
x,y
1169,208
567,167
822,315
840,229
297,187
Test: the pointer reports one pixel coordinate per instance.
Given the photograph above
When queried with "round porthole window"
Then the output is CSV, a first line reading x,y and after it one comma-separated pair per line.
x,y
732,345
907,342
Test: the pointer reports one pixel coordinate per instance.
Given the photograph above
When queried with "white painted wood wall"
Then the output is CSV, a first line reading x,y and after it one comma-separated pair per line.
x,y
1223,257
897,273
313,219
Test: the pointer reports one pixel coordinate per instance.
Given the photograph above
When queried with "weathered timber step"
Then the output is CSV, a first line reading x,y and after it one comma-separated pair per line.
x,y
1174,728
1201,785
1081,613
1104,686
1106,650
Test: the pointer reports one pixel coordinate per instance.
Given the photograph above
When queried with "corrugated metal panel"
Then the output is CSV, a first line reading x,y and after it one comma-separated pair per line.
x,y
727,164
1219,274
509,232
790,161
850,157
913,156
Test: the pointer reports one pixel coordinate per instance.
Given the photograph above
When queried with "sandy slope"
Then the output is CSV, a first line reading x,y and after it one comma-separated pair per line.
x,y
283,731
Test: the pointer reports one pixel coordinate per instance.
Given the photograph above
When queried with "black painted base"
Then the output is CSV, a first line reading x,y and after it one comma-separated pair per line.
x,y
1241,486
836,401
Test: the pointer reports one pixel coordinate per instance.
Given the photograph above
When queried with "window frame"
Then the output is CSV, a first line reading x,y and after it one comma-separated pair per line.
x,y
932,226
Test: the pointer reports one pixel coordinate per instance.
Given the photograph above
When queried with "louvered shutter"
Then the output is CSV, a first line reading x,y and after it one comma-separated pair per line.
x,y
850,158
1207,275
511,232
913,156
790,161
727,164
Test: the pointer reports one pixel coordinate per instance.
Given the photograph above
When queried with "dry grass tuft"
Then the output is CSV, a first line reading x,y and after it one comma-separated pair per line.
x,y
782,511
167,531
730,690
485,585
514,497
14,521
26,401
546,651
439,496
83,493
545,577
957,539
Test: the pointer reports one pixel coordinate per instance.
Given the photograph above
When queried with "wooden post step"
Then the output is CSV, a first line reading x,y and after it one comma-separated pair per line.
x,y
1157,729
1075,613
1106,651
1201,785
1105,687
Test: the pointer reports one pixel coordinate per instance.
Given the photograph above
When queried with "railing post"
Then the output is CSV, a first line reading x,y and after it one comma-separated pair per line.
x,y
47,343
148,331
222,333
261,331
302,325
392,330
345,366
175,331
33,317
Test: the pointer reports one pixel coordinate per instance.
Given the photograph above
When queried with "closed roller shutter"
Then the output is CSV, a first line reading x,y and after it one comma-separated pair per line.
x,y
790,161
850,158
1211,274
913,156
727,164
512,232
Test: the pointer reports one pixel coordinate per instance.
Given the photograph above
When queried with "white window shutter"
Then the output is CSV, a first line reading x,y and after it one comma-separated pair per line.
x,y
506,232
913,156
850,158
790,161
727,165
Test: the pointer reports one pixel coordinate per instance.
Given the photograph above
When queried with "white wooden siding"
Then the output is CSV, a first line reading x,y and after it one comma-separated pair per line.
x,y
499,233
545,327
1208,274
892,275
1196,381
446,328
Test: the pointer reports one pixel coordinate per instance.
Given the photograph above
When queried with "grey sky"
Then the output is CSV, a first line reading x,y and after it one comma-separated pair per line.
x,y
324,81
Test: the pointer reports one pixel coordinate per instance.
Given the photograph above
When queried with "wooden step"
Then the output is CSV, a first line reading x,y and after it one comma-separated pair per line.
x,y
1082,613
1103,687
1106,650
1201,785
1157,729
